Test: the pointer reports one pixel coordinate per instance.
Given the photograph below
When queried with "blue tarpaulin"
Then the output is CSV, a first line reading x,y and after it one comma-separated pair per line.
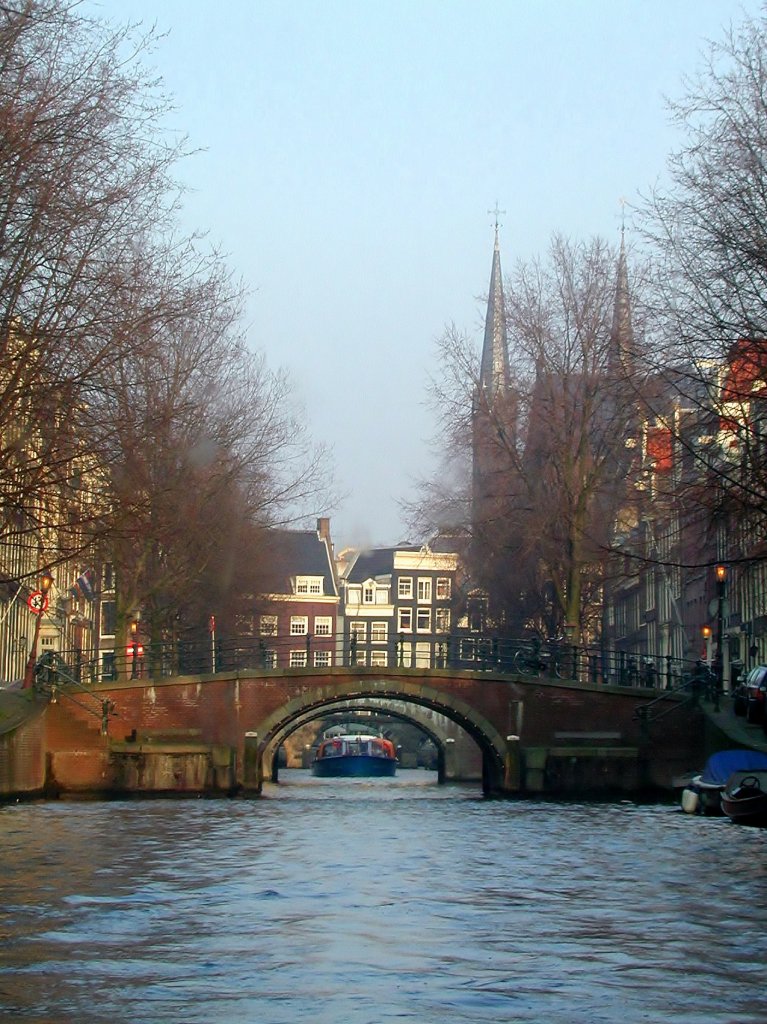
x,y
721,765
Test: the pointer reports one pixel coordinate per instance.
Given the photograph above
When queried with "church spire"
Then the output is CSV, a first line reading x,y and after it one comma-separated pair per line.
x,y
494,370
622,334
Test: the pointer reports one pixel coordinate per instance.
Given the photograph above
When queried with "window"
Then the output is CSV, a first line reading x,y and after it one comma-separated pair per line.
x,y
441,651
268,625
358,630
405,620
442,620
443,588
269,659
424,588
297,659
108,577
405,586
423,655
468,650
378,659
382,595
405,654
299,625
322,659
423,620
379,632
108,618
353,595
309,584
368,593
323,625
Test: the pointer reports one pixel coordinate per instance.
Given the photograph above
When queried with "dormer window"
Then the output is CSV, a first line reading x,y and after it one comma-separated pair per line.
x,y
308,584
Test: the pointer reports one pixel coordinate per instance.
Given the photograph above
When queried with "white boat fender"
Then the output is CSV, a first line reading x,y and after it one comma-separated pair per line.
x,y
690,801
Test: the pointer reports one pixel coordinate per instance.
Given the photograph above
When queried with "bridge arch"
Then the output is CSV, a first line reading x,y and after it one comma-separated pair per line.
x,y
351,706
312,704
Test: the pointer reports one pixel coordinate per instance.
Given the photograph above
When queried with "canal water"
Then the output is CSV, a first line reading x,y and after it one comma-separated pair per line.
x,y
372,901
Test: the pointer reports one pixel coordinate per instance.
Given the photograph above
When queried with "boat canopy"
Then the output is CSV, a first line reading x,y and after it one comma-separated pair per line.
x,y
721,765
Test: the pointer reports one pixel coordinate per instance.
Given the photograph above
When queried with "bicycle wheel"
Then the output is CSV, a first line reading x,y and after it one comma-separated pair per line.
x,y
564,665
524,663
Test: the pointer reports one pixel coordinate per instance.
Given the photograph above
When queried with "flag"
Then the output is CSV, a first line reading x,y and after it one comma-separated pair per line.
x,y
83,586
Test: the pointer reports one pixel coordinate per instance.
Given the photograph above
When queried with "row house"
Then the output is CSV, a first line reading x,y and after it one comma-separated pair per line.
x,y
295,622
398,606
664,602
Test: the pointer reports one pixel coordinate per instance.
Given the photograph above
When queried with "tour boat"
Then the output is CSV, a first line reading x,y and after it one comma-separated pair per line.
x,y
354,755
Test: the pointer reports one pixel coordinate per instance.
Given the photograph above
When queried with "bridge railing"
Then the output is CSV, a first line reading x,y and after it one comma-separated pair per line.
x,y
470,652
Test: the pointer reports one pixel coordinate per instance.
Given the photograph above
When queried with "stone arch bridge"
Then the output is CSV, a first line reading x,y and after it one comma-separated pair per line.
x,y
535,735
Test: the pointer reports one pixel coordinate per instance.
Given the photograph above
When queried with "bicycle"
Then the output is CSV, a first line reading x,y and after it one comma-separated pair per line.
x,y
528,661
556,660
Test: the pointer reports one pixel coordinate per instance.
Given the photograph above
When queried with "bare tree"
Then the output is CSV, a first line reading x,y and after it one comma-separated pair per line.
x,y
557,440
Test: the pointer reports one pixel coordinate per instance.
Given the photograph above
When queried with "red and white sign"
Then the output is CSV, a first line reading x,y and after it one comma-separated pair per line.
x,y
38,602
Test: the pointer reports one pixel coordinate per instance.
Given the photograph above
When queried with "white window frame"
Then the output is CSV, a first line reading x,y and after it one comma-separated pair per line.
x,y
299,625
443,588
402,615
424,589
322,659
298,658
441,620
369,593
468,649
405,658
358,628
405,587
267,625
423,655
379,632
378,659
423,620
308,584
323,625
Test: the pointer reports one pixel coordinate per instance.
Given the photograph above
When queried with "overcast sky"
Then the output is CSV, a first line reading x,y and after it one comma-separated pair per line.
x,y
352,151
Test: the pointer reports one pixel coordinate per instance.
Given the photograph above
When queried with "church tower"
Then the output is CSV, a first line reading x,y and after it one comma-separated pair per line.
x,y
621,355
491,399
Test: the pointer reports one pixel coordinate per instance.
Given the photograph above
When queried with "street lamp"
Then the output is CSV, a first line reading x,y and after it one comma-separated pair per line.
x,y
38,602
706,634
721,586
134,648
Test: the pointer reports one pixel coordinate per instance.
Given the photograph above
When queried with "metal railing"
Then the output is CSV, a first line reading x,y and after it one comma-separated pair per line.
x,y
459,651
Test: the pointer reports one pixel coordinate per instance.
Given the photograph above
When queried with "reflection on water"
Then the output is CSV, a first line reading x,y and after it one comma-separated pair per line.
x,y
369,901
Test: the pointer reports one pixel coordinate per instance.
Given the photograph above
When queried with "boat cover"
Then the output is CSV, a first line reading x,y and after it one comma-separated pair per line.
x,y
721,765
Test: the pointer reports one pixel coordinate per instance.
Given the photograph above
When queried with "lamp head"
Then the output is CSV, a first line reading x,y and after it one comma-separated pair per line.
x,y
721,573
46,581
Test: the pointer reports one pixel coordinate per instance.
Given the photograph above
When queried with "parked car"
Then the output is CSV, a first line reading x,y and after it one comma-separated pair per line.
x,y
756,694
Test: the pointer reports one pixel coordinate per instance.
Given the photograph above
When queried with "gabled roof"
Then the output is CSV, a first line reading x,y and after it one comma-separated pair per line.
x,y
298,553
369,564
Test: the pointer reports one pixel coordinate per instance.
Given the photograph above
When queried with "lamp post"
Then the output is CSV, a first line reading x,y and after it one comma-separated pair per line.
x,y
38,602
721,586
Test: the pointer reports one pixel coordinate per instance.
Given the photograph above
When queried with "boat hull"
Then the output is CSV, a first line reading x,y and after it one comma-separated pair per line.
x,y
354,766
744,798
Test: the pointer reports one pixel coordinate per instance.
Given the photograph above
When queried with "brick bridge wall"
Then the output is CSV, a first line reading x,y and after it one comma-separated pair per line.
x,y
571,738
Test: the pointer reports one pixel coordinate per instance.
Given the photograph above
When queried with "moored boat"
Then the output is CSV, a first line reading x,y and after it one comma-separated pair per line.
x,y
355,756
744,798
703,793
